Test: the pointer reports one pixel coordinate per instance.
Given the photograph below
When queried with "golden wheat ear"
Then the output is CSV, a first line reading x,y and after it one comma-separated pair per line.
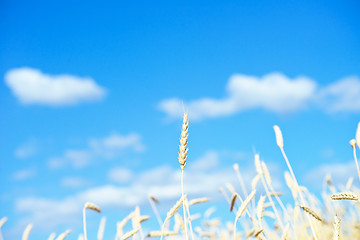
x,y
91,206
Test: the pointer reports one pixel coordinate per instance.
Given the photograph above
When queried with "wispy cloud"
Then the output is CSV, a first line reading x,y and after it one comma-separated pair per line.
x,y
341,96
31,86
26,150
339,172
24,174
73,182
273,92
107,147
120,175
161,181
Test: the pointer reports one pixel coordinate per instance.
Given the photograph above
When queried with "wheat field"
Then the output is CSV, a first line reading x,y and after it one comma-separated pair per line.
x,y
256,214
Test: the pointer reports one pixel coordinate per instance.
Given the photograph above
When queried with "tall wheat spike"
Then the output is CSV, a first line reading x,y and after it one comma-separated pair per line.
x,y
182,160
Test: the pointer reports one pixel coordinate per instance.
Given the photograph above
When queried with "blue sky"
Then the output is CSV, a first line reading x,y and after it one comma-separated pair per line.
x,y
92,95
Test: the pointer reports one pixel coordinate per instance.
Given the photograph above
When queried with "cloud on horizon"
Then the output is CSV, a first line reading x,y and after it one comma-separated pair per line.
x,y
161,182
107,147
273,92
31,86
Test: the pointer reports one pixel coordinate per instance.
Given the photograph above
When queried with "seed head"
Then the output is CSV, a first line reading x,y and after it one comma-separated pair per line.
x,y
183,142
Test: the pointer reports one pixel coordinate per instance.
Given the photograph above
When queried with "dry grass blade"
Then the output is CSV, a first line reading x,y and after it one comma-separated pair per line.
x,y
63,235
312,213
160,233
244,205
129,234
92,206
345,196
198,200
27,231
233,200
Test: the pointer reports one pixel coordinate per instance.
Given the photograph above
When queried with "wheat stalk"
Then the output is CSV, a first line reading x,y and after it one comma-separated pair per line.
x,y
280,143
183,150
152,201
100,234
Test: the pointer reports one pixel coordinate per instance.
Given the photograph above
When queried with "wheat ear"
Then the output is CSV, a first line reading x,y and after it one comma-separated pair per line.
x,y
345,196
100,234
93,207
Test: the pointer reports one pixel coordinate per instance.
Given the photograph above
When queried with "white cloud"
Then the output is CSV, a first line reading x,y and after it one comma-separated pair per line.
x,y
115,143
31,86
108,147
273,92
341,96
73,182
120,175
339,172
26,150
163,182
24,174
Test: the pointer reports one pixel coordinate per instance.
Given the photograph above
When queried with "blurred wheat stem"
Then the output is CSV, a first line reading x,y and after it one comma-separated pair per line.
x,y
280,143
152,201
